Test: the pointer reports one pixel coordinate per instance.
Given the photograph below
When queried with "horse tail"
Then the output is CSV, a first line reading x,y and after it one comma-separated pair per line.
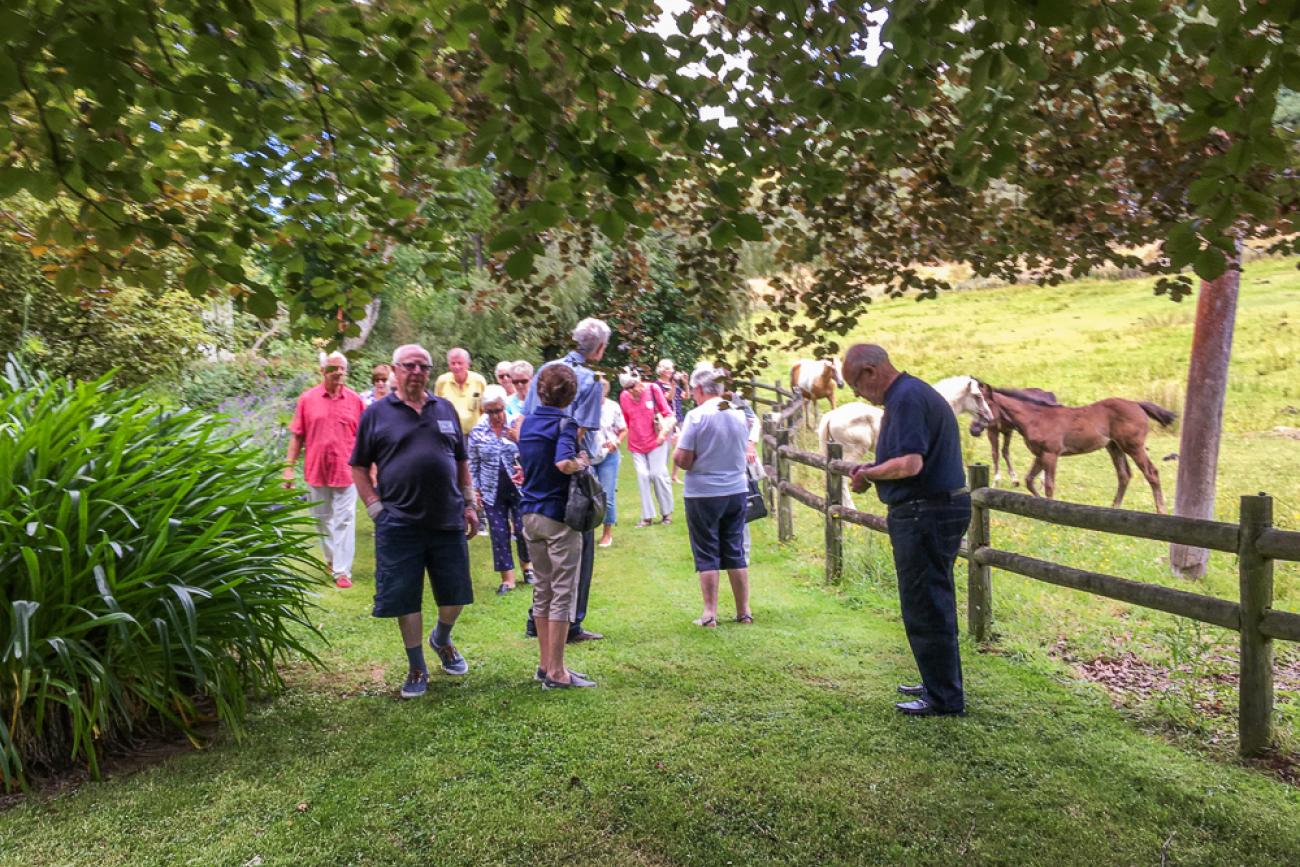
x,y
1159,413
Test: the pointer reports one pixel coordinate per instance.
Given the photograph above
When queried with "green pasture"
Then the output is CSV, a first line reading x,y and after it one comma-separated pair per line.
x,y
1095,339
776,743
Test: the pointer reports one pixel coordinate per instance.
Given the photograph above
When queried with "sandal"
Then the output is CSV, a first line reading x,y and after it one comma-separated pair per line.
x,y
644,523
668,519
706,622
747,619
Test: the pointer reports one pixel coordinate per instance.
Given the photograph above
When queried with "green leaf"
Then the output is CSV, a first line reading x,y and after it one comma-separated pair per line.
x,y
748,227
520,264
197,280
1210,264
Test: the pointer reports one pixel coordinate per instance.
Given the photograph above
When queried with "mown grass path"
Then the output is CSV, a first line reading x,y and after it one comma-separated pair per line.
x,y
776,743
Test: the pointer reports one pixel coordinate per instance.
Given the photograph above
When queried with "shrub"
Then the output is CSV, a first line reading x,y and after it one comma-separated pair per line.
x,y
154,572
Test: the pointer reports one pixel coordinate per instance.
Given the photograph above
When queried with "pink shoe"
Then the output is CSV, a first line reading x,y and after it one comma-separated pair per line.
x,y
342,582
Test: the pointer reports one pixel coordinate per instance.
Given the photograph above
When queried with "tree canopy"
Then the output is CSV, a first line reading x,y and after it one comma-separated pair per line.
x,y
1035,137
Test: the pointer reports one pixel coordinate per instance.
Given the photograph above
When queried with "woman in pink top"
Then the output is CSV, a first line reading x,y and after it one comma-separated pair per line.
x,y
650,421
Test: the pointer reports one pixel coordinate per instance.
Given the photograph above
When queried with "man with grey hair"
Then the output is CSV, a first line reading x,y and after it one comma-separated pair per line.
x,y
714,440
422,512
323,429
463,387
592,338
918,476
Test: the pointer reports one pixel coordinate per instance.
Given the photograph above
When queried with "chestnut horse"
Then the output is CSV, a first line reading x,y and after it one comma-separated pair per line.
x,y
813,380
998,425
1051,430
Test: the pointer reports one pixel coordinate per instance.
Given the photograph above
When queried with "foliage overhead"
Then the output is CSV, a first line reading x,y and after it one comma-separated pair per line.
x,y
154,572
1023,137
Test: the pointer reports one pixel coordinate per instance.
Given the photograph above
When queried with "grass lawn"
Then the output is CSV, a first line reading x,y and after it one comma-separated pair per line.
x,y
1095,339
775,743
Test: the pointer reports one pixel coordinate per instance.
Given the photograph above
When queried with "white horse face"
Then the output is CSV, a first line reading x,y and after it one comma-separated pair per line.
x,y
973,402
834,362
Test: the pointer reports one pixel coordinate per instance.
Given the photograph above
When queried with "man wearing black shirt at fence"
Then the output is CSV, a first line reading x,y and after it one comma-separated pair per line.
x,y
918,476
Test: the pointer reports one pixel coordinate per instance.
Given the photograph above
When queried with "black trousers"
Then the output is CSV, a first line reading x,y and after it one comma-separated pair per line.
x,y
925,535
585,568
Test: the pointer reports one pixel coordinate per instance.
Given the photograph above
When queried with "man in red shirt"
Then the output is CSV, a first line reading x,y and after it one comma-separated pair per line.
x,y
325,427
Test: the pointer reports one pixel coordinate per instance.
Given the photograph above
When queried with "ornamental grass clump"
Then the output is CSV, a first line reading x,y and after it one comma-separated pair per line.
x,y
152,572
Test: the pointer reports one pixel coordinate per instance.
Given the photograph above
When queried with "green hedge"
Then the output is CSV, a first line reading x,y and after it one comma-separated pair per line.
x,y
153,570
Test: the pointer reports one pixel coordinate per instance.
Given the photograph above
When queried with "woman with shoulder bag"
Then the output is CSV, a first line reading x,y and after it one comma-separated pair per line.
x,y
492,465
548,451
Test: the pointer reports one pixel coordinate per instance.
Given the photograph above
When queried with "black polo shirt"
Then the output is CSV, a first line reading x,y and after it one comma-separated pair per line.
x,y
918,421
417,456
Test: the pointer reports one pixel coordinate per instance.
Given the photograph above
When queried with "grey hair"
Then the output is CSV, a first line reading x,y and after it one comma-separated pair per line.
x,y
521,367
590,334
407,347
504,366
707,380
665,364
456,349
333,357
493,394
866,355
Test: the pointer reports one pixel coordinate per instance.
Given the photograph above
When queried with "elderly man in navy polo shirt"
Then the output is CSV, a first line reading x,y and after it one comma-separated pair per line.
x,y
591,336
423,516
918,475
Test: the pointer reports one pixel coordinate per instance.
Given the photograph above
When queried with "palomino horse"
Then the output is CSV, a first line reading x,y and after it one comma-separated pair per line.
x,y
814,380
855,426
1051,430
1000,426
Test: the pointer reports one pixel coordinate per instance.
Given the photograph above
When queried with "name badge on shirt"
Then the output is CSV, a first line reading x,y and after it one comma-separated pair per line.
x,y
447,427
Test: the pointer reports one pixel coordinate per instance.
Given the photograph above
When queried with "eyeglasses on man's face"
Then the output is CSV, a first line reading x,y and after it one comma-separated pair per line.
x,y
496,411
503,376
523,381
415,366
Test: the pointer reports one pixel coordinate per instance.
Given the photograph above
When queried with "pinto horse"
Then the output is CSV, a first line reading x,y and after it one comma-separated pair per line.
x,y
814,380
998,426
1051,430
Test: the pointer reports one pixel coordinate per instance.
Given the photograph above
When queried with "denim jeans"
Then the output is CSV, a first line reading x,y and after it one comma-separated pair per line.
x,y
925,535
607,472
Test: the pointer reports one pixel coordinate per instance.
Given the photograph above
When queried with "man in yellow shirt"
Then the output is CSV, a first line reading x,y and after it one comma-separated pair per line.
x,y
462,387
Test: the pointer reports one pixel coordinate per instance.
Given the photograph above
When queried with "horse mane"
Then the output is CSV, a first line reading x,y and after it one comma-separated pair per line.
x,y
1018,394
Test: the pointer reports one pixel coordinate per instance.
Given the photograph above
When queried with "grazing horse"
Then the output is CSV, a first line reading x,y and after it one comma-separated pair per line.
x,y
1000,426
1051,430
855,426
813,380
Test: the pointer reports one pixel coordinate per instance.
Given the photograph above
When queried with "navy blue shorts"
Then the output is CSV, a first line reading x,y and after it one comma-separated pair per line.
x,y
404,553
717,530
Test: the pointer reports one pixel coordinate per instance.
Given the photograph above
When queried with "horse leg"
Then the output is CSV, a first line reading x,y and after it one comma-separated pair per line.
x,y
1006,456
1143,460
1122,472
1048,462
1033,474
993,447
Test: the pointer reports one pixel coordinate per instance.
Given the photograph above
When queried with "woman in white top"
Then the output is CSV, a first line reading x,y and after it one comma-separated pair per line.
x,y
613,430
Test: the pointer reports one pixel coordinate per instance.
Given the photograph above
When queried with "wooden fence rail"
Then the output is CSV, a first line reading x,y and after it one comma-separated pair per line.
x,y
1254,540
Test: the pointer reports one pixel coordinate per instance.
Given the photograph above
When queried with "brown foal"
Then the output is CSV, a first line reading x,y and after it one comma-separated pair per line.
x,y
1051,430
999,426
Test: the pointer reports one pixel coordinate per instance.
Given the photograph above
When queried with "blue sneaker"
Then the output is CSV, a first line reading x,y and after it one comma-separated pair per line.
x,y
452,662
417,682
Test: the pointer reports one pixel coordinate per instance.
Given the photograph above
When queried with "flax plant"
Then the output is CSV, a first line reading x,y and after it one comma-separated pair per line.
x,y
152,572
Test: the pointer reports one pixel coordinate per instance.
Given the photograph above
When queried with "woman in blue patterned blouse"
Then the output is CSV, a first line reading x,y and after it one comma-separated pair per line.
x,y
494,467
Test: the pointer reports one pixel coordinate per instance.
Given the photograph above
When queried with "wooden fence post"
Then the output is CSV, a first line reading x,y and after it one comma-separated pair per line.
x,y
979,583
1255,701
784,518
769,461
834,526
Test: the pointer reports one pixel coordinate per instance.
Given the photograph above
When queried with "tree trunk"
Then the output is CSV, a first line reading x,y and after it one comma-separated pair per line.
x,y
1207,384
351,344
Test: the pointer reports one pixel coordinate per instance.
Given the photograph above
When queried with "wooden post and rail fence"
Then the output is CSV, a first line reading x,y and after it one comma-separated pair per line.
x,y
1255,541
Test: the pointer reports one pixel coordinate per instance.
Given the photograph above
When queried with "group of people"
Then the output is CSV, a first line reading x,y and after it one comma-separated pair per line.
x,y
426,463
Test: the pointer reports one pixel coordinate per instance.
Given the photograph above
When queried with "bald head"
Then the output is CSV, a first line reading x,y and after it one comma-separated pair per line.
x,y
868,371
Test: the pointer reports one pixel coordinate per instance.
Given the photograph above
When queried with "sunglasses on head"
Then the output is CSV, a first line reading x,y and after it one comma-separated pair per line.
x,y
413,366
